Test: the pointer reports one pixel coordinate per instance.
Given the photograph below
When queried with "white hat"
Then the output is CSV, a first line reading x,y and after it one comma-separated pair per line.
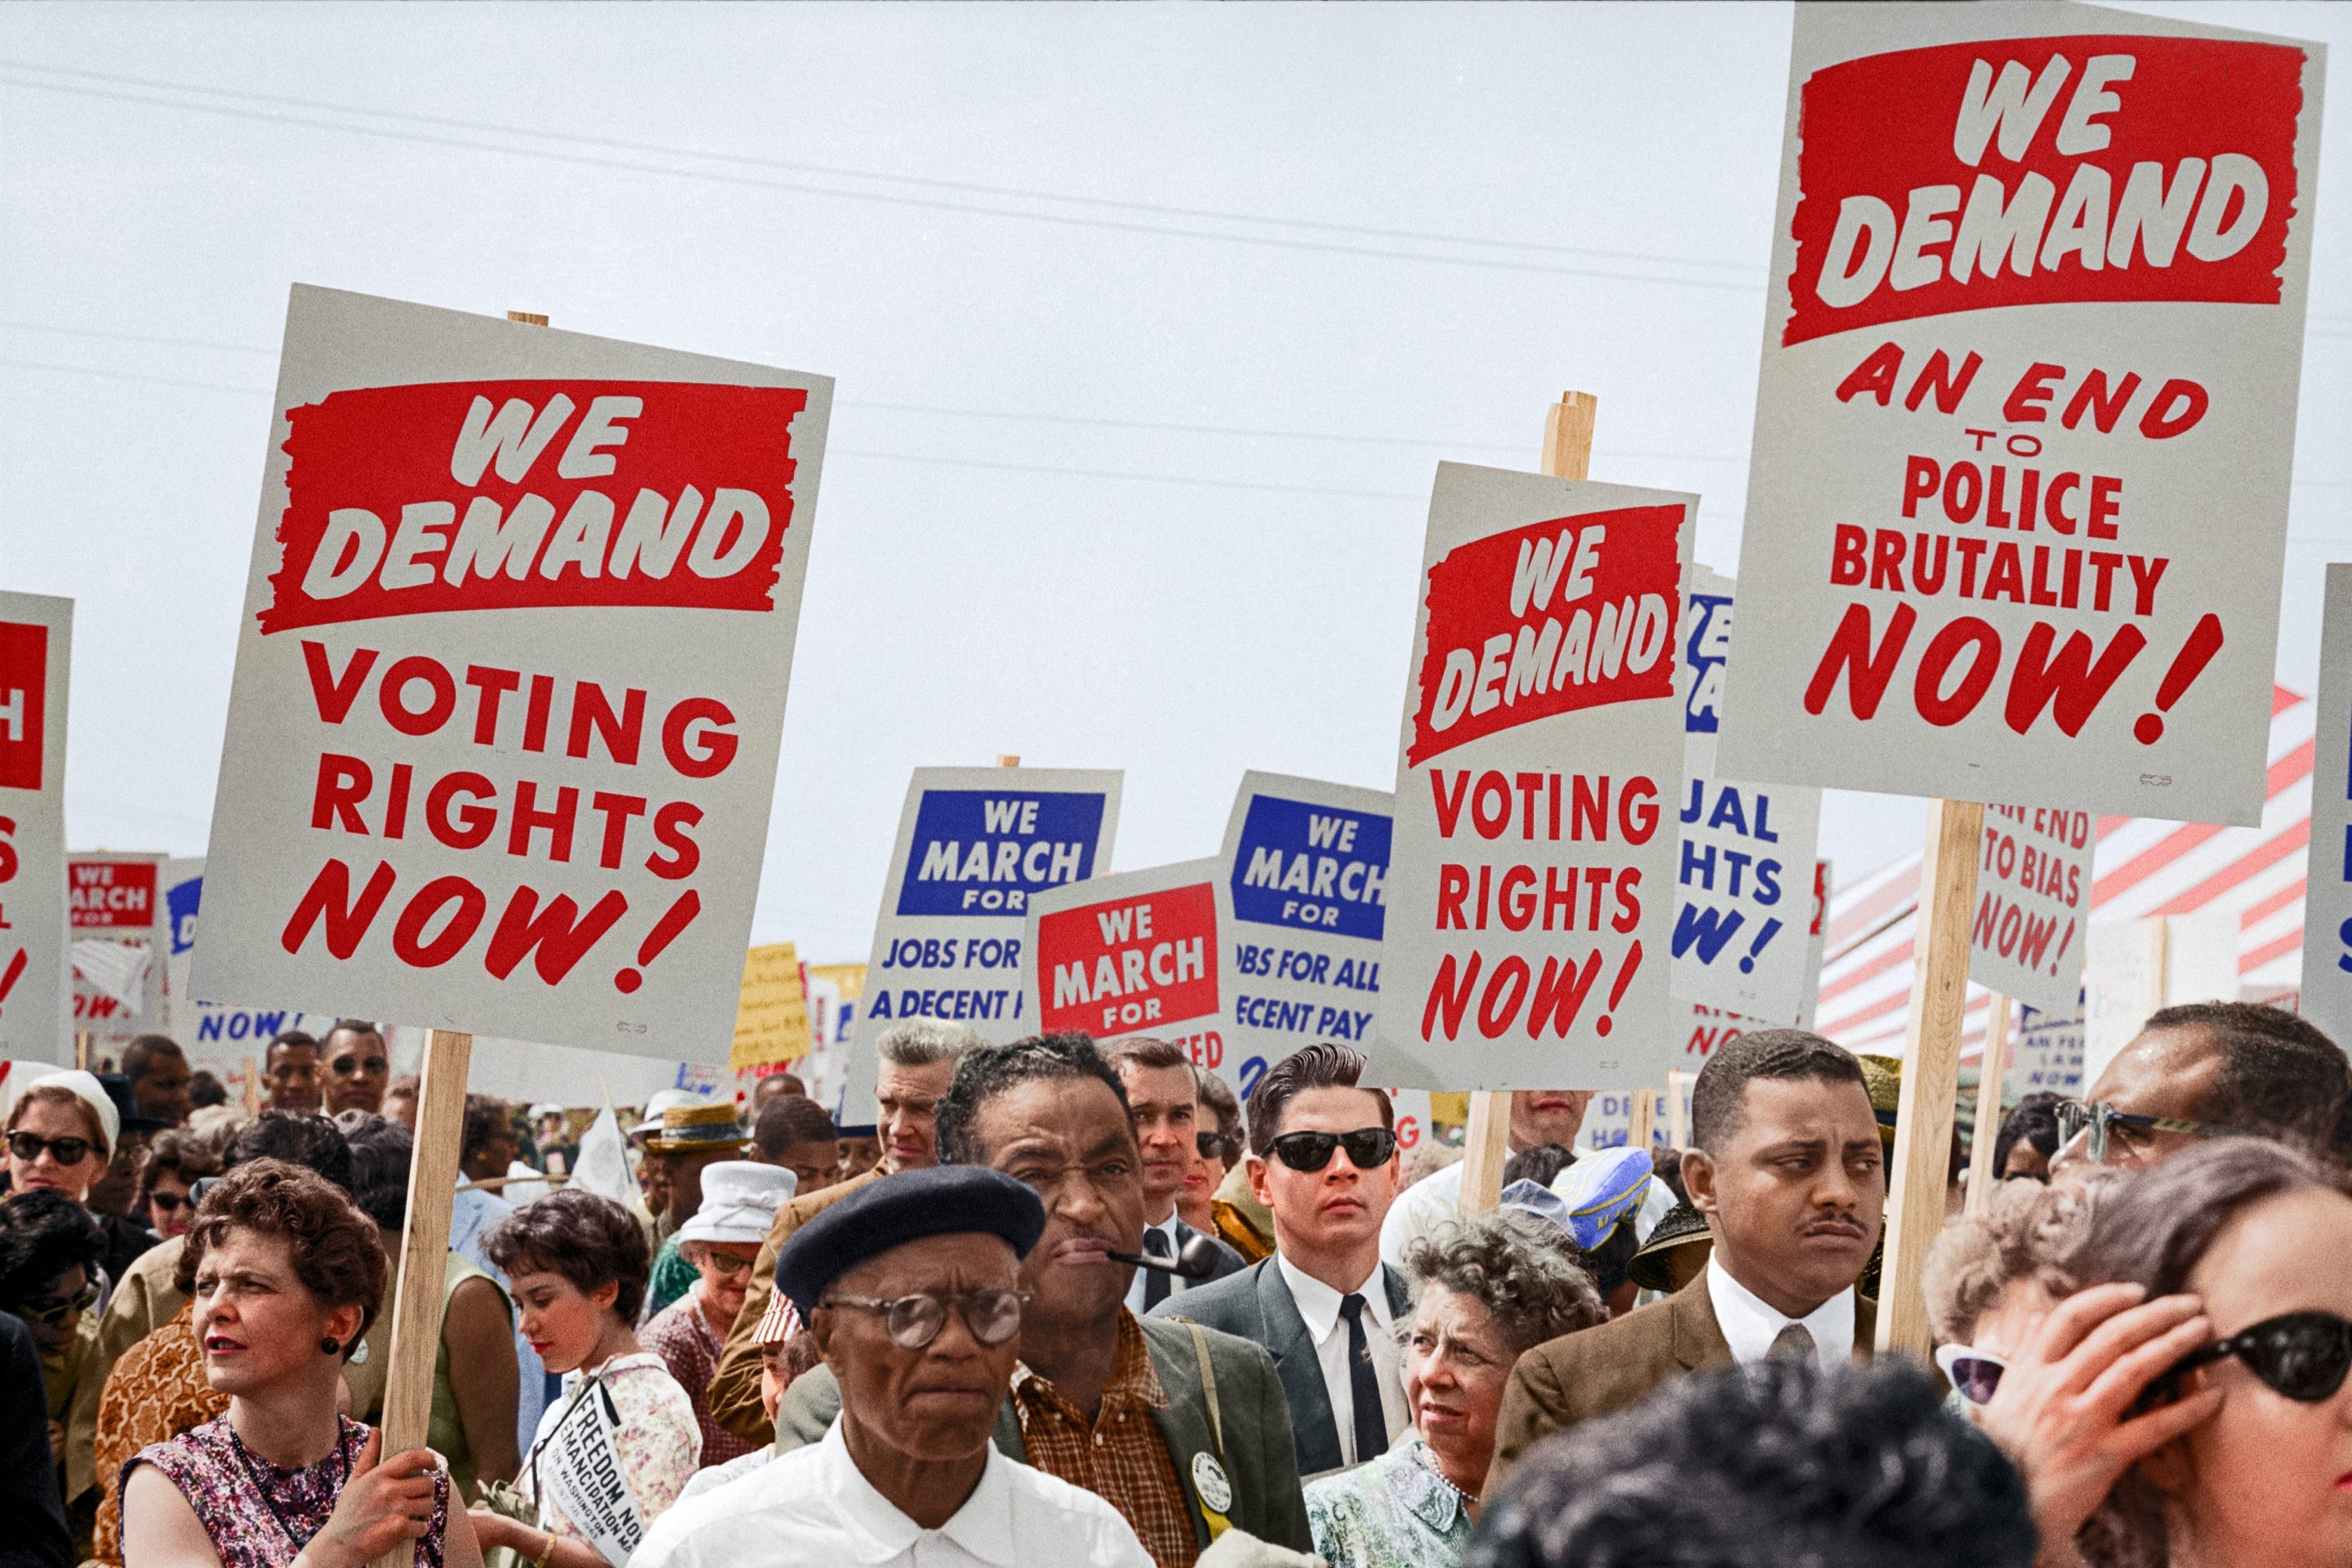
x,y
545,1108
82,1086
740,1199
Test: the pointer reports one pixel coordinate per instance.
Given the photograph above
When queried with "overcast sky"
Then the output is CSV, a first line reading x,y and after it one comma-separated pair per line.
x,y
1149,324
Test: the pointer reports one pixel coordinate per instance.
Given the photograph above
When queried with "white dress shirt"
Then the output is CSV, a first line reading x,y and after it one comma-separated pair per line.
x,y
1749,1324
1137,1285
812,1507
1318,1304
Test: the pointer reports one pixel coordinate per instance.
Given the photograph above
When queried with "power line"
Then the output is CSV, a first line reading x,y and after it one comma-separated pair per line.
x,y
880,176
930,203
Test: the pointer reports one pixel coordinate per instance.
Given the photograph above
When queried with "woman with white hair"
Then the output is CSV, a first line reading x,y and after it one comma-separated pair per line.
x,y
740,1199
1489,1289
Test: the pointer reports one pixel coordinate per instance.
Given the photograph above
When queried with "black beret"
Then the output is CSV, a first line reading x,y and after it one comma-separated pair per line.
x,y
945,1200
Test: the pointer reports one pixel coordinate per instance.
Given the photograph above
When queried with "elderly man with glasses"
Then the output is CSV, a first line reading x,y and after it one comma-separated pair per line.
x,y
2205,1070
912,1290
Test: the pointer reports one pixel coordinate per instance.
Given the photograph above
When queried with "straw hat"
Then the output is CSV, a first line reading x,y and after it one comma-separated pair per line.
x,y
1682,1226
1884,1077
698,1129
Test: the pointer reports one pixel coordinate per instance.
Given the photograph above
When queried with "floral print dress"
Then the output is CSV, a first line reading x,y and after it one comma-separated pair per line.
x,y
261,1515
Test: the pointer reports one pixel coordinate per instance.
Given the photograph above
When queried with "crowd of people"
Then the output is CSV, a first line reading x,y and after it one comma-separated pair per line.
x,y
1070,1301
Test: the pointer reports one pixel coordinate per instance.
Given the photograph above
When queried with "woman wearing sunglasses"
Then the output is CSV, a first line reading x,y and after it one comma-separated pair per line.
x,y
740,1199
176,1162
2187,1402
575,1264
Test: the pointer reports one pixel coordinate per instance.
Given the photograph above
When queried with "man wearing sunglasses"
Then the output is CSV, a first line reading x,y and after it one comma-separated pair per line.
x,y
1323,1159
1165,1106
2204,1070
1786,1165
358,1066
911,1287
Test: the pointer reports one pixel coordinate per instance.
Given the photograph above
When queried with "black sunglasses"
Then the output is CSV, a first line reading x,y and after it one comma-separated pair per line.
x,y
1367,1147
28,1147
352,1067
2302,1355
1211,1145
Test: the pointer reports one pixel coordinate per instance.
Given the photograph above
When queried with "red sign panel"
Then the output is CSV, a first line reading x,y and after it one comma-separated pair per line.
x,y
111,895
1129,965
24,686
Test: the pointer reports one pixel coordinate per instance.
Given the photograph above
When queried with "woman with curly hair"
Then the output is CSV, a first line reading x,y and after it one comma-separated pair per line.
x,y
285,1275
1489,1289
577,1264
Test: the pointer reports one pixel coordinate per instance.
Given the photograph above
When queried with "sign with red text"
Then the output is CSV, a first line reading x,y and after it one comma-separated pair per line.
x,y
1305,899
509,679
35,1009
2034,905
1134,953
2017,498
120,935
1531,879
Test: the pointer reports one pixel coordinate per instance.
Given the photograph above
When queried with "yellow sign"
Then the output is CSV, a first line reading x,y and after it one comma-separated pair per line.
x,y
850,977
772,1021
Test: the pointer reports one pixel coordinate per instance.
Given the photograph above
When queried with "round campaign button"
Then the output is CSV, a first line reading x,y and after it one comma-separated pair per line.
x,y
1209,1481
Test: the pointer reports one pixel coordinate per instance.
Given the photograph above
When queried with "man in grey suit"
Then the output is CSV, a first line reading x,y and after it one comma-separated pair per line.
x,y
1184,1430
1165,1105
1323,1158
1787,1164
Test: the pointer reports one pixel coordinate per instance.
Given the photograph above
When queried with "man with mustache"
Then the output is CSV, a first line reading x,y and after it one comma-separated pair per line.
x,y
1323,1159
1786,1165
1182,1429
911,1287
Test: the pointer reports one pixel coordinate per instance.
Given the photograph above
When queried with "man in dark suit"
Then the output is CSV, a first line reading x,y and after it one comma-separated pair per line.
x,y
1182,1429
1323,1159
1164,1103
1787,1165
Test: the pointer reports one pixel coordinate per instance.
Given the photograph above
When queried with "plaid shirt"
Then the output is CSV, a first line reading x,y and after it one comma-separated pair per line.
x,y
1120,1456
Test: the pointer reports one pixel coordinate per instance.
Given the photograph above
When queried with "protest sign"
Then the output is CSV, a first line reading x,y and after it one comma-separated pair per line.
x,y
2328,893
1530,901
1133,953
2033,902
114,904
35,982
215,1035
509,679
2017,503
2048,1052
1705,632
771,1017
1303,887
975,846
580,1466
1712,1028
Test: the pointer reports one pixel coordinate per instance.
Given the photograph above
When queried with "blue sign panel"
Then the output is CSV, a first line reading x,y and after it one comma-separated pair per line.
x,y
1706,645
985,852
179,902
1312,867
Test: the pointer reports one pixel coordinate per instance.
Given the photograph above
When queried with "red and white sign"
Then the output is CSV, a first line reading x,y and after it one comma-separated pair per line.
x,y
2033,906
36,639
510,679
1134,953
1531,880
120,940
2017,503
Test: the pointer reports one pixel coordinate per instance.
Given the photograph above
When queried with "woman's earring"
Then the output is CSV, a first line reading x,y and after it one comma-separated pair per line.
x,y
331,1345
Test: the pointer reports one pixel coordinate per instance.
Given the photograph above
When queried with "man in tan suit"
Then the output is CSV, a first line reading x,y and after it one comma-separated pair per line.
x,y
919,1058
1787,1165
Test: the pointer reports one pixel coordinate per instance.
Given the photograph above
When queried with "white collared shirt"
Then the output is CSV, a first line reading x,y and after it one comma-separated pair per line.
x,y
812,1507
1176,1282
1318,1305
1749,1324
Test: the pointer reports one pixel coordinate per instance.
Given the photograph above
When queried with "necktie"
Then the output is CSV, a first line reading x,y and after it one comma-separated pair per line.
x,y
1796,1340
1364,1385
1155,1282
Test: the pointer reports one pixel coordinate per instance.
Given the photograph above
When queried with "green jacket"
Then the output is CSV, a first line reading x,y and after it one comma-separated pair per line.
x,y
1255,1454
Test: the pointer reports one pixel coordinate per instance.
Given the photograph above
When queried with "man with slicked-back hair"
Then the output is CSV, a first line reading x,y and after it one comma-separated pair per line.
x,y
1785,1162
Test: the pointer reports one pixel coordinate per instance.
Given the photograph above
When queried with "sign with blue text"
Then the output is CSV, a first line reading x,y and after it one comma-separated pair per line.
x,y
2327,896
1305,886
975,846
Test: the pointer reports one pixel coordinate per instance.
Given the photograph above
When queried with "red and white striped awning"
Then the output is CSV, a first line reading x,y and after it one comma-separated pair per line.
x,y
2143,867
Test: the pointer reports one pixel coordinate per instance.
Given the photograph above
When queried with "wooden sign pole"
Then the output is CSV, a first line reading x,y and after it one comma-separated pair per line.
x,y
1643,1125
1985,1130
1566,454
1931,1070
252,1087
1678,1110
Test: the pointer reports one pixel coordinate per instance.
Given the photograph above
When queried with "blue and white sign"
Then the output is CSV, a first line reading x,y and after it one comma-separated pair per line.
x,y
1743,895
975,846
215,1035
1304,890
2327,897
